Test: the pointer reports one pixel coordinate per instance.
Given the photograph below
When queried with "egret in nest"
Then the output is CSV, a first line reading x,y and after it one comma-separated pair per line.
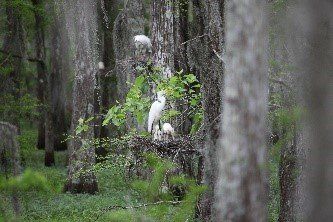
x,y
155,111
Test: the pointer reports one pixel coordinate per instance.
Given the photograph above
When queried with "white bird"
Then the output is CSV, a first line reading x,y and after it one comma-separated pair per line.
x,y
142,44
101,65
168,131
157,133
155,111
142,39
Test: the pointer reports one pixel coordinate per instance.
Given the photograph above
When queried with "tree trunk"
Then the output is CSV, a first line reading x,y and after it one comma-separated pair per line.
x,y
45,91
205,51
163,35
181,35
15,34
9,151
108,79
128,24
81,18
107,84
241,192
316,19
49,130
41,74
60,70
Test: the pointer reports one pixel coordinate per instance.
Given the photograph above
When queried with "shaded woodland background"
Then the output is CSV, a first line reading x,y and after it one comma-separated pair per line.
x,y
249,91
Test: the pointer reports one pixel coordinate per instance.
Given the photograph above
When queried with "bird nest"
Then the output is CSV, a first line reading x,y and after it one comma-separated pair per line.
x,y
183,151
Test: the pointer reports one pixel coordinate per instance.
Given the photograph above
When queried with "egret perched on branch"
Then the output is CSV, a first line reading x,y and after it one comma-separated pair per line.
x,y
168,131
155,111
143,45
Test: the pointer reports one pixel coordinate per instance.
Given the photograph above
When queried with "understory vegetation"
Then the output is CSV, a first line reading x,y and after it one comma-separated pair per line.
x,y
47,202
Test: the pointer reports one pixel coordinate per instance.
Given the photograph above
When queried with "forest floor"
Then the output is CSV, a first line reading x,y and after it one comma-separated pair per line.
x,y
114,190
59,206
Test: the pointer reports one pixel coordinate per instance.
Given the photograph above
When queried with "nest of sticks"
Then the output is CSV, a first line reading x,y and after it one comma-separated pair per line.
x,y
184,151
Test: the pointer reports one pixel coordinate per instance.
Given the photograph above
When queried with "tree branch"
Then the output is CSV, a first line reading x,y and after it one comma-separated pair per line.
x,y
195,38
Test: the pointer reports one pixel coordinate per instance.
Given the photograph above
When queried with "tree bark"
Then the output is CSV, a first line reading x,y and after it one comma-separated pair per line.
x,y
9,151
108,79
60,70
316,19
41,74
44,87
163,35
15,34
108,12
206,46
81,18
241,192
49,130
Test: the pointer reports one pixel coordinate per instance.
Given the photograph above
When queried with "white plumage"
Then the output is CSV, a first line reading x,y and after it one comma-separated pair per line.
x,y
101,65
155,111
143,46
157,133
142,39
168,131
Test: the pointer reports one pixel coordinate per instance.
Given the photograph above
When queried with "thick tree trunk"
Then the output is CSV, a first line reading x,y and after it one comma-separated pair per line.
x,y
108,80
205,51
81,18
163,35
15,34
317,26
9,151
60,70
108,11
41,74
241,192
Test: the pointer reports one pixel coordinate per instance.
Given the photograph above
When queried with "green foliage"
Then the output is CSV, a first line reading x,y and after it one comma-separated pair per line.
x,y
179,89
116,115
152,189
279,5
83,125
27,181
23,108
283,120
159,199
125,216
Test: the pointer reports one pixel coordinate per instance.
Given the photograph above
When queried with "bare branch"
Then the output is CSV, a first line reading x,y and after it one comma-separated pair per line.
x,y
195,38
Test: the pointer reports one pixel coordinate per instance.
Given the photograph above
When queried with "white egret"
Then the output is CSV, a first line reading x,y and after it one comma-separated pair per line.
x,y
155,111
168,131
157,133
143,45
101,66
